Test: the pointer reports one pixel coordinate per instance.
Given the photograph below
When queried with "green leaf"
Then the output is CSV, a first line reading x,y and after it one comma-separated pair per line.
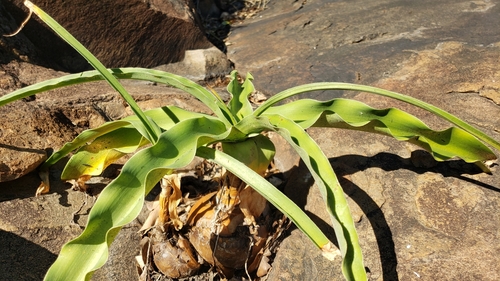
x,y
82,139
121,201
205,96
373,90
165,117
355,115
328,185
93,158
149,127
240,105
268,191
256,153
333,195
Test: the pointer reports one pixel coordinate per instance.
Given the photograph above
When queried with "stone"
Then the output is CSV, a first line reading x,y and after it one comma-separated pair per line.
x,y
55,118
118,33
350,42
200,65
416,218
13,47
34,126
24,57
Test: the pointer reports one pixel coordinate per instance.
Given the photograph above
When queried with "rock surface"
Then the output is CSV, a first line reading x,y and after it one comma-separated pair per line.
x,y
32,230
119,33
428,221
416,219
24,140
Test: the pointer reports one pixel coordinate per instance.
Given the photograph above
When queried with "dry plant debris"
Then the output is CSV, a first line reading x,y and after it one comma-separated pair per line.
x,y
217,231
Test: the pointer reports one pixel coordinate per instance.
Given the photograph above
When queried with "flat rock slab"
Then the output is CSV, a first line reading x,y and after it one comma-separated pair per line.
x,y
417,219
300,42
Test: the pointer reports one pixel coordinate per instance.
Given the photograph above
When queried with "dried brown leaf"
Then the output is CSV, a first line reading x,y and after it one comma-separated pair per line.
x,y
79,184
170,198
199,208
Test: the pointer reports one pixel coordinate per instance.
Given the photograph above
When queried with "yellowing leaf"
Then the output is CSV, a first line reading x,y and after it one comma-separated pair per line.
x,y
93,158
256,152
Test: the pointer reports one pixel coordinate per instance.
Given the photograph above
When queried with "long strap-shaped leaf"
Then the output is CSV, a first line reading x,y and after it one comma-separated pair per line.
x,y
268,191
326,180
150,128
205,96
93,158
333,195
164,117
87,162
81,139
353,87
120,202
355,115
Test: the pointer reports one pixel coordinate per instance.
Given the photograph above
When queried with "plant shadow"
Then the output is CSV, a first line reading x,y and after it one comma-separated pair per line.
x,y
21,259
300,181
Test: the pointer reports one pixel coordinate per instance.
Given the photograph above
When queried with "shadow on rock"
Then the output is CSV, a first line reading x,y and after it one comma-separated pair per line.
x,y
21,259
26,186
300,182
390,162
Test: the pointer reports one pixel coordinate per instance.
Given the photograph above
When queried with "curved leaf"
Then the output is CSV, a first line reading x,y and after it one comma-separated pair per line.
x,y
82,139
240,105
93,158
205,96
121,201
329,187
150,129
355,115
373,90
268,191
333,195
164,117
256,153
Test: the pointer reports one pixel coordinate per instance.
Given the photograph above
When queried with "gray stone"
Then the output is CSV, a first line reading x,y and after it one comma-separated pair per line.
x,y
200,65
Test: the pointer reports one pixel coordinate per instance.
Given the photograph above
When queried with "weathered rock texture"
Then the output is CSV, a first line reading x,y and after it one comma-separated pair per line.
x,y
23,57
32,230
417,219
119,33
51,220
